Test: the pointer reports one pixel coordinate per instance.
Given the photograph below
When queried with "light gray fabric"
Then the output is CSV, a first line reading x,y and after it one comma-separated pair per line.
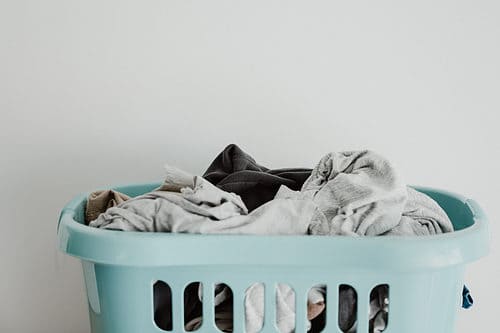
x,y
421,216
358,192
207,209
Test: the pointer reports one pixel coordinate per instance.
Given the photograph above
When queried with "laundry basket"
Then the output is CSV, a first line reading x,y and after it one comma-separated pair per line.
x,y
424,274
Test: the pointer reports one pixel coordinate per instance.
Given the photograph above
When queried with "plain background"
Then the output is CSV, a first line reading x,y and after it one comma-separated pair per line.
x,y
95,93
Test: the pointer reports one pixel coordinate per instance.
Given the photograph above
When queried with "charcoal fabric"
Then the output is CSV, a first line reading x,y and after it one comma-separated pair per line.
x,y
235,171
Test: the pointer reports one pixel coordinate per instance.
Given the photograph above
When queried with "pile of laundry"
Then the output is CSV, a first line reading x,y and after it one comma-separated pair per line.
x,y
353,193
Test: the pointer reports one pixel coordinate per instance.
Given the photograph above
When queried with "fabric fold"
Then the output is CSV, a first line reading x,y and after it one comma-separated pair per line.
x,y
359,193
235,171
99,201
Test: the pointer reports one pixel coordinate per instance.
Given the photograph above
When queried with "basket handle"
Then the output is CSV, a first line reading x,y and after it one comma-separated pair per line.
x,y
476,210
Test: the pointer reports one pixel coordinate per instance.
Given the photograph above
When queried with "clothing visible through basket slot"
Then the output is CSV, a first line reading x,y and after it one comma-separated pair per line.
x,y
347,193
254,308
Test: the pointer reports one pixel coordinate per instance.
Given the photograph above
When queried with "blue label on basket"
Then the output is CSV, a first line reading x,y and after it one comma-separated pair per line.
x,y
467,300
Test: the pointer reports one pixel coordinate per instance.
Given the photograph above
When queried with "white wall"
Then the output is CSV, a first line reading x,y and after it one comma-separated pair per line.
x,y
104,92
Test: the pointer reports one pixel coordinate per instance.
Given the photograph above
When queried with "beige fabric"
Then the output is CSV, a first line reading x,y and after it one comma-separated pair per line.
x,y
99,201
314,309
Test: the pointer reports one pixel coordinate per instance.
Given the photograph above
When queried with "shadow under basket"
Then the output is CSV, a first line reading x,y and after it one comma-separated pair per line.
x,y
424,274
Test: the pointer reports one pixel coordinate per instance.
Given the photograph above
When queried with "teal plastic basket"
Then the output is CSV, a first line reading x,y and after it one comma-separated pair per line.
x,y
424,274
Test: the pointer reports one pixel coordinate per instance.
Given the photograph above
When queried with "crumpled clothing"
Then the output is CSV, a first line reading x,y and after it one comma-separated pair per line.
x,y
223,309
254,307
285,311
285,307
358,192
205,209
99,201
348,193
200,207
235,171
422,216
378,315
379,309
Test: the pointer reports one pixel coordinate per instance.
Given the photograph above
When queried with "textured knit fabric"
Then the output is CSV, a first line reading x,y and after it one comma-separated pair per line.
x,y
359,193
421,216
